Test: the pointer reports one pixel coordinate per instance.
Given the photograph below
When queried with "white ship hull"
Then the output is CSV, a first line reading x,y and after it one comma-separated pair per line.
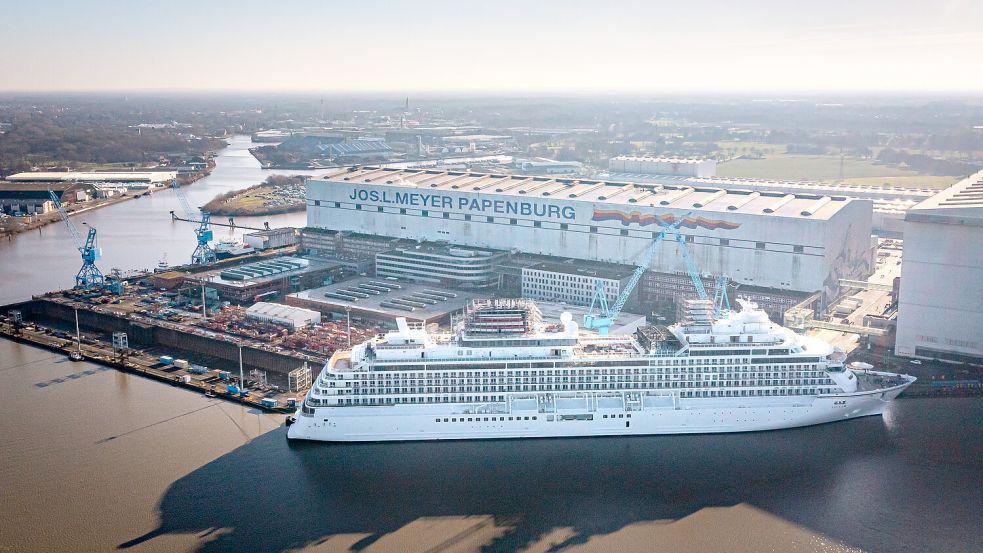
x,y
677,416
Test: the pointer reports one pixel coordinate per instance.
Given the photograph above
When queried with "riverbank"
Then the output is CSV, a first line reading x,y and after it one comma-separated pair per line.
x,y
11,226
276,196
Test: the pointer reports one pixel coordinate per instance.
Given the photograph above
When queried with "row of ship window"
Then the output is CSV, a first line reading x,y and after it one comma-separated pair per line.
x,y
373,389
445,373
770,378
533,417
470,399
574,387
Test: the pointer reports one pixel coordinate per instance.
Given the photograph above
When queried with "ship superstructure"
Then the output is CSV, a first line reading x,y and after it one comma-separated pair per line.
x,y
502,372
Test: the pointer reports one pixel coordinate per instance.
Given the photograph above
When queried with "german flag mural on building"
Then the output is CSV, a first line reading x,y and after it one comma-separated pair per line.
x,y
643,220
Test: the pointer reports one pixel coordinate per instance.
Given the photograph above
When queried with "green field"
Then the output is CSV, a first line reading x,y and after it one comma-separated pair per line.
x,y
806,167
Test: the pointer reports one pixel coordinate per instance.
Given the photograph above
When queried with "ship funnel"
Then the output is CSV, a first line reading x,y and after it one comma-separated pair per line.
x,y
401,325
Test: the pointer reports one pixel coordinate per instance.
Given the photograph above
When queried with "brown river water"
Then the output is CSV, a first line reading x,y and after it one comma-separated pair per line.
x,y
95,460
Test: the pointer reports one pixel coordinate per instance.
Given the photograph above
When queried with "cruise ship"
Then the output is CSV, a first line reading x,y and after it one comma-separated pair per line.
x,y
501,372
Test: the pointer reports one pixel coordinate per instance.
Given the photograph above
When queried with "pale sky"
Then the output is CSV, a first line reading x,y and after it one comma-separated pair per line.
x,y
494,45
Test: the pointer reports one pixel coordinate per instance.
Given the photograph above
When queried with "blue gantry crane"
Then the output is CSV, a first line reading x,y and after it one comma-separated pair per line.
x,y
607,315
204,253
89,276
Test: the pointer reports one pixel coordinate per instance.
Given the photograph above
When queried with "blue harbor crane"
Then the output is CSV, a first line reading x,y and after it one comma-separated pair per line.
x,y
204,253
89,276
603,321
721,303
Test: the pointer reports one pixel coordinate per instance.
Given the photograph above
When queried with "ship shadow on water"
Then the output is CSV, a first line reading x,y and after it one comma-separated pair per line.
x,y
274,495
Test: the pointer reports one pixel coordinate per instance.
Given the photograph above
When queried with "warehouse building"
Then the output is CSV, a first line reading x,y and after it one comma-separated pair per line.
x,y
130,178
940,303
30,198
272,238
889,202
286,315
800,242
382,300
267,279
663,166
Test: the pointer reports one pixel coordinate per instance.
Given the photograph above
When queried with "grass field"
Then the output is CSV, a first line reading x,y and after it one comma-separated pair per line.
x,y
803,167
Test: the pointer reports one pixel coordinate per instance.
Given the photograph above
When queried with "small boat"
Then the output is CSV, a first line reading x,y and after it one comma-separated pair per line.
x,y
75,356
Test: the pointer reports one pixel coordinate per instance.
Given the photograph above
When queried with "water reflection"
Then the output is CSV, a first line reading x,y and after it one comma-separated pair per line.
x,y
308,492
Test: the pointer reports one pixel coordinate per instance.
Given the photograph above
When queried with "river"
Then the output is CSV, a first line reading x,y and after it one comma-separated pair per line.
x,y
96,460
134,234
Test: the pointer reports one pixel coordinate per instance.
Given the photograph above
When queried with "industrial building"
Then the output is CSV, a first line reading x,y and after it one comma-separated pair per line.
x,y
383,300
940,303
663,166
30,198
266,279
441,264
799,242
130,178
273,238
286,315
889,202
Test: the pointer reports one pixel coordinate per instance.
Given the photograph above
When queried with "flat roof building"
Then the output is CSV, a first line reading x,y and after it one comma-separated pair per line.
x,y
383,300
287,315
800,242
145,177
940,303
663,166
889,202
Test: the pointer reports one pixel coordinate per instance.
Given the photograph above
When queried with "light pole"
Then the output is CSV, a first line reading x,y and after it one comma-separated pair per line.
x,y
348,312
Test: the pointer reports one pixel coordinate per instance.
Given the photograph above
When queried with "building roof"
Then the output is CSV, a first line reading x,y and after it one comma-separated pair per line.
x,y
886,199
607,271
281,311
684,195
42,187
356,147
94,176
961,203
258,272
676,160
414,301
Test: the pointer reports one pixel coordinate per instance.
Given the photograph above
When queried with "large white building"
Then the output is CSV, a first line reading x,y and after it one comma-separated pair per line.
x,y
663,166
940,304
787,241
890,202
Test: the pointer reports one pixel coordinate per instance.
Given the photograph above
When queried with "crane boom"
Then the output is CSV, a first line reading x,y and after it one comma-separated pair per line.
x,y
701,291
204,253
89,276
76,237
606,318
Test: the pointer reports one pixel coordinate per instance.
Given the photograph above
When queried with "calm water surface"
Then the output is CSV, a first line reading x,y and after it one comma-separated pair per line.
x,y
96,460
134,234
